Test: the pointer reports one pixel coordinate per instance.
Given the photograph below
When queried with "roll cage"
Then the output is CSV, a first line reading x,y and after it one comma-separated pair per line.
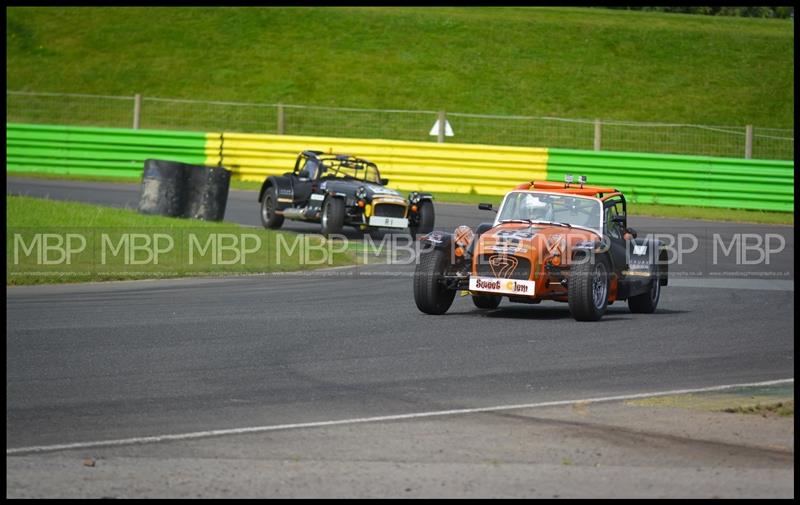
x,y
315,164
614,205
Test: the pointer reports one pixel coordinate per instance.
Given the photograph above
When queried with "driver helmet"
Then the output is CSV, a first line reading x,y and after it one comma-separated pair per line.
x,y
534,208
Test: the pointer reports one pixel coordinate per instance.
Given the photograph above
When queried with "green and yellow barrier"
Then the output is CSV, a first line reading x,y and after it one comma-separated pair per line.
x,y
410,166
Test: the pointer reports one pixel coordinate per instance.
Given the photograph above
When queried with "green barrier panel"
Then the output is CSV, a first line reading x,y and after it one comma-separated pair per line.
x,y
682,180
111,152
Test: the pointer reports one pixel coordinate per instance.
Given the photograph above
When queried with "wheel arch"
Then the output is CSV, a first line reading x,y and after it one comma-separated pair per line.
x,y
281,183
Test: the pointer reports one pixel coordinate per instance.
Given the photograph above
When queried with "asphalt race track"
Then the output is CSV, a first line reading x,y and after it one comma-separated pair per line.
x,y
109,361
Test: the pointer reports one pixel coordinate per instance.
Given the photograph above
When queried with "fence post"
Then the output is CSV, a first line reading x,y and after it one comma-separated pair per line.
x,y
137,110
442,123
748,142
280,119
597,134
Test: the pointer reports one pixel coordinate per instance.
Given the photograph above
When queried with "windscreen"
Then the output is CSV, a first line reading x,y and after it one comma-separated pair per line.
x,y
548,207
362,172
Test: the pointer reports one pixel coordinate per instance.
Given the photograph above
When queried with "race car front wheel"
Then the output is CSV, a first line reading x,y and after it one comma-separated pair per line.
x,y
587,291
430,294
425,219
332,216
268,217
486,301
646,303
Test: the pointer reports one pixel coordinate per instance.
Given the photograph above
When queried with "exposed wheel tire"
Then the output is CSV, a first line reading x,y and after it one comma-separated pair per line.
x,y
332,216
588,289
427,216
486,301
646,303
430,295
269,219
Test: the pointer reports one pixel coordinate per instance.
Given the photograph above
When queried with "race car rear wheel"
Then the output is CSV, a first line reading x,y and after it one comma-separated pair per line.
x,y
332,216
588,289
269,219
431,295
646,303
427,217
486,301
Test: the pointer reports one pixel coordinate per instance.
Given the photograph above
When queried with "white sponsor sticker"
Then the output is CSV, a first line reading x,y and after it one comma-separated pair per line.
x,y
388,222
380,190
317,196
505,286
639,250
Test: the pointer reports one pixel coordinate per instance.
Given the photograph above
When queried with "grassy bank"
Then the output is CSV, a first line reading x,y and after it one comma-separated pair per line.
x,y
668,211
567,62
54,242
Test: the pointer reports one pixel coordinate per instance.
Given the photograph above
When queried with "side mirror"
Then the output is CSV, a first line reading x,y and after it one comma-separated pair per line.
x,y
631,231
485,206
384,181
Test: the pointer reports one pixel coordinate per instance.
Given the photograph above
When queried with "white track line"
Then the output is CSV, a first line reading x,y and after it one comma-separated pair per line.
x,y
398,417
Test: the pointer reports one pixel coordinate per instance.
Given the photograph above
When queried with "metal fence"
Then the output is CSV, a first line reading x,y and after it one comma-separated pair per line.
x,y
531,131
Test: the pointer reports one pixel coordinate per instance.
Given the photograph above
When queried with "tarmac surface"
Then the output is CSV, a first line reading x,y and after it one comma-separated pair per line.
x,y
102,362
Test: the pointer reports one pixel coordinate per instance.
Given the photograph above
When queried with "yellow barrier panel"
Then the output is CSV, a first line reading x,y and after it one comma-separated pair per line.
x,y
409,166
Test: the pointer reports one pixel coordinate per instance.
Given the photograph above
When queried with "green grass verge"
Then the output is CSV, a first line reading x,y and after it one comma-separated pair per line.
x,y
56,242
667,211
544,61
765,405
781,409
768,401
711,214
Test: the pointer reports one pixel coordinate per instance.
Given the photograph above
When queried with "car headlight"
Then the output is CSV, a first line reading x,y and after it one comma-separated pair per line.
x,y
555,243
361,193
413,197
463,235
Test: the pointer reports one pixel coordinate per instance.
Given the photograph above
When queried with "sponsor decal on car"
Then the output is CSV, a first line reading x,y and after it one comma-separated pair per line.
x,y
506,249
505,286
512,240
434,237
515,234
380,190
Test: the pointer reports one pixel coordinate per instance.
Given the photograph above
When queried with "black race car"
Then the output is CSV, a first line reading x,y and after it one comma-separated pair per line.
x,y
337,190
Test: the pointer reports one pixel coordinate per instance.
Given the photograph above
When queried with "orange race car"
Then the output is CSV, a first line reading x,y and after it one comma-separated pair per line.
x,y
549,241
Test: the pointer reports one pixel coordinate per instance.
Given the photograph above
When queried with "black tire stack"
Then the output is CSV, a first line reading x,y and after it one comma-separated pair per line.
x,y
175,189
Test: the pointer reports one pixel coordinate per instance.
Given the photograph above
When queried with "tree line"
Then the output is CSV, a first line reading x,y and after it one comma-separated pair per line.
x,y
753,12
